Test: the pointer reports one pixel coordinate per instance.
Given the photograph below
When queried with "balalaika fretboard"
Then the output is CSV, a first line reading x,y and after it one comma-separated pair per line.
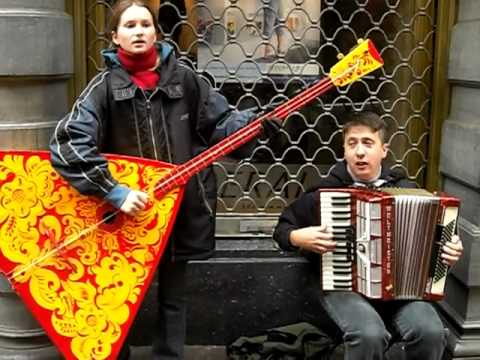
x,y
388,242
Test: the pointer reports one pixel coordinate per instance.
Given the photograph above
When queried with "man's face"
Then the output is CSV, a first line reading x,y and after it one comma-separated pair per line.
x,y
136,31
364,152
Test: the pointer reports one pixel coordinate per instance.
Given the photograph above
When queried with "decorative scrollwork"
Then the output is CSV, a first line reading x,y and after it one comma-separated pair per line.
x,y
84,294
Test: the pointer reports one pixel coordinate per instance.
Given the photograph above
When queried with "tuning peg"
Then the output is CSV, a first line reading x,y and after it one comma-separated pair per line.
x,y
359,41
340,56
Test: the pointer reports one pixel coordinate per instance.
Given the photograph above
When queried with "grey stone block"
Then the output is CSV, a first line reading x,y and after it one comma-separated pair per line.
x,y
465,47
21,336
455,302
464,105
37,4
35,42
29,111
468,268
469,197
460,148
464,338
244,297
461,311
468,10
25,101
229,297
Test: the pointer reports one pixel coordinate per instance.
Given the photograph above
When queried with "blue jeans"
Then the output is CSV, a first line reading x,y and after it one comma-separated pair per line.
x,y
169,333
368,327
273,10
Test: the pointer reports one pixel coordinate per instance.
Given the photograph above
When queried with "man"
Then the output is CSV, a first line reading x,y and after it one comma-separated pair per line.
x,y
367,326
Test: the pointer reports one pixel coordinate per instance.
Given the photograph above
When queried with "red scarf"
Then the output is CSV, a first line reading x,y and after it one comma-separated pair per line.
x,y
138,66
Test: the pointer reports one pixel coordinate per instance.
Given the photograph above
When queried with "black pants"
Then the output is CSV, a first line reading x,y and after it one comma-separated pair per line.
x,y
170,329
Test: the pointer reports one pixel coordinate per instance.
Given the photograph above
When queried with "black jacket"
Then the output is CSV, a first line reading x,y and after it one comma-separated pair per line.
x,y
303,211
179,119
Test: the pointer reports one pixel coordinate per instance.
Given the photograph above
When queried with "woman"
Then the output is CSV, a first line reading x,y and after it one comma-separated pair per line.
x,y
145,103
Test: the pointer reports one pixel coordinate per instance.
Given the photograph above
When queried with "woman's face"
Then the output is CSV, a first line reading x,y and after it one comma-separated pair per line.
x,y
136,31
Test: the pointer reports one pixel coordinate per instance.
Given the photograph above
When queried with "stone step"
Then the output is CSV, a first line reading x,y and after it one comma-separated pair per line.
x,y
217,352
192,352
203,352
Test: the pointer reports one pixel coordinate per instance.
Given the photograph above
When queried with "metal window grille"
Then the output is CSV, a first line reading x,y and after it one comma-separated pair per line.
x,y
261,52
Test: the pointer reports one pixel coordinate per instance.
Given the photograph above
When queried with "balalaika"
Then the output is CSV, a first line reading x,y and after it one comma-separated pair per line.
x,y
82,267
389,242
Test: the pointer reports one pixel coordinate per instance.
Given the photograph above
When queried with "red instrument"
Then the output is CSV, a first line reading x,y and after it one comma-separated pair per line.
x,y
389,241
83,267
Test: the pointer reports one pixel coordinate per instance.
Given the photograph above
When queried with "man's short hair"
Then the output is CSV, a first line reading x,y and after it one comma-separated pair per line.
x,y
365,118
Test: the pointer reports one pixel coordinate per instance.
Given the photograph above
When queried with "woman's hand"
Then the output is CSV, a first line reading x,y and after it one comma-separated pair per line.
x,y
313,238
134,203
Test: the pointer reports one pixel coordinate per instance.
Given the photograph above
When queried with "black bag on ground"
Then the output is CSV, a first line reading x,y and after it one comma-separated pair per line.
x,y
301,341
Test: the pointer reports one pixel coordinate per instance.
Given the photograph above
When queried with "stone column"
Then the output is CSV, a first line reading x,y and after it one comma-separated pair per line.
x,y
460,169
36,62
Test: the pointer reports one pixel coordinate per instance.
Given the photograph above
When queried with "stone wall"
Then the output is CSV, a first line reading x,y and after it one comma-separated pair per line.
x,y
36,63
460,170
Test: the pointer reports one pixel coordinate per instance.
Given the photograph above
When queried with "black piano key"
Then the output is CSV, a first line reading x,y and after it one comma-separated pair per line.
x,y
339,287
338,272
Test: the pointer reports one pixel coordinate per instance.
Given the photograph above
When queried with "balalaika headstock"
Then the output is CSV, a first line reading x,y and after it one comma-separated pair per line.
x,y
363,59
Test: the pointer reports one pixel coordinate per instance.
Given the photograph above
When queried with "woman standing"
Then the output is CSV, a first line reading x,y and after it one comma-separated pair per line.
x,y
146,103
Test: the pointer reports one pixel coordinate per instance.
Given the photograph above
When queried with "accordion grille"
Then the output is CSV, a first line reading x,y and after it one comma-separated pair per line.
x,y
414,234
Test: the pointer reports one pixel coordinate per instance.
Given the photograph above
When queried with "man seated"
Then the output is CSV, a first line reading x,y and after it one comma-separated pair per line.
x,y
367,326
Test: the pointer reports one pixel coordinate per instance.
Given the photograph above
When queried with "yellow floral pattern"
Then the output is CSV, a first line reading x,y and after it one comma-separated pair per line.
x,y
363,59
81,276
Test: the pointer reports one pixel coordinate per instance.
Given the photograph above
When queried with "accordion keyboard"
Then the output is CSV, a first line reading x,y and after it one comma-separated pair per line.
x,y
335,210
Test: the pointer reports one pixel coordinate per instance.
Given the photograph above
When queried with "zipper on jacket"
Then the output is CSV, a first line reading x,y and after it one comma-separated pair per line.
x,y
148,106
137,128
165,131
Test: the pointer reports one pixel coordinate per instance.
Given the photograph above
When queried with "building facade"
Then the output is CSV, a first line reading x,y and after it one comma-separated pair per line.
x,y
259,53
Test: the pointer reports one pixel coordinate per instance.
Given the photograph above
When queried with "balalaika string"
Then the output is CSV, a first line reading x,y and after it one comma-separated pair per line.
x,y
180,174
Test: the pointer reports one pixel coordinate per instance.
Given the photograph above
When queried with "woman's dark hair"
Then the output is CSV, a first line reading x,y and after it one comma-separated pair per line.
x,y
365,118
119,8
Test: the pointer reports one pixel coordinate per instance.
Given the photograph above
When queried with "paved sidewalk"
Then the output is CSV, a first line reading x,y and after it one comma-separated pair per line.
x,y
192,352
199,352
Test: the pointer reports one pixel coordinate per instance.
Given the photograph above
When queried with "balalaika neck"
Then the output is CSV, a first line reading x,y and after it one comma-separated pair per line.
x,y
182,173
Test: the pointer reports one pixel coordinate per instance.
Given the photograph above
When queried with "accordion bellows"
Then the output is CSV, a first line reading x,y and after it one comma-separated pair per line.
x,y
389,242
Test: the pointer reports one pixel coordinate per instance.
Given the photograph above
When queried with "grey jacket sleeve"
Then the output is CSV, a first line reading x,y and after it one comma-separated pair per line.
x,y
227,119
216,118
75,145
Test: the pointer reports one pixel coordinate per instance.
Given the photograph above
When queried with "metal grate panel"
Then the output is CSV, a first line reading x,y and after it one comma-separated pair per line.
x,y
261,52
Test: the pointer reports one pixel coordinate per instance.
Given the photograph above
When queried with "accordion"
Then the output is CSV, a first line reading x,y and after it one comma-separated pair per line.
x,y
389,241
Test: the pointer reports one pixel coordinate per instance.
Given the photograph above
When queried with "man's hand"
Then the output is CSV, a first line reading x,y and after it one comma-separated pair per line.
x,y
134,203
271,128
313,238
451,251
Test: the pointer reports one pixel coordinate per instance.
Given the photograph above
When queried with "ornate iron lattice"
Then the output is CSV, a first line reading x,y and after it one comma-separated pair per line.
x,y
261,52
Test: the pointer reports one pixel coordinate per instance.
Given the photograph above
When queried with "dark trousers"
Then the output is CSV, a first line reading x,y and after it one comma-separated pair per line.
x,y
368,327
170,329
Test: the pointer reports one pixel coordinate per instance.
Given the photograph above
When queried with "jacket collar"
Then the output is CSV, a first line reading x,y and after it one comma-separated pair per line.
x,y
341,174
122,86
